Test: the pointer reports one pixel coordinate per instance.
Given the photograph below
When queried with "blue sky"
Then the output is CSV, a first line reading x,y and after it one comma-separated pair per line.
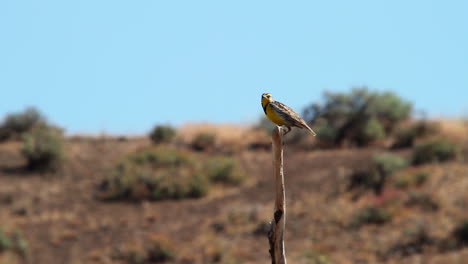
x,y
123,66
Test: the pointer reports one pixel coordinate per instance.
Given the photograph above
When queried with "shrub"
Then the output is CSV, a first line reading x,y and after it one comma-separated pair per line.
x,y
316,257
204,141
43,148
422,200
359,117
262,228
16,124
371,131
162,134
5,241
136,255
460,232
402,182
325,131
434,151
14,242
425,128
199,185
162,158
405,138
179,184
369,215
388,164
413,241
158,249
224,170
420,178
408,180
159,174
365,179
155,174
389,109
382,167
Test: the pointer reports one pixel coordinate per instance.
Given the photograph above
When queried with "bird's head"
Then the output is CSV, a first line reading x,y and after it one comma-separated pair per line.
x,y
266,98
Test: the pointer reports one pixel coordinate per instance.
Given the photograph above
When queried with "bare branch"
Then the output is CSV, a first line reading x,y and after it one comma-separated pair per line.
x,y
276,233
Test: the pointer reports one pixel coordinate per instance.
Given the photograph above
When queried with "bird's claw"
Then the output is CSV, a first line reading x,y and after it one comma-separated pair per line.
x,y
284,130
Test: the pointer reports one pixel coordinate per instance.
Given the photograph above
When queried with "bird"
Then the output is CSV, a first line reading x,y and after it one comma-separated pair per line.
x,y
283,115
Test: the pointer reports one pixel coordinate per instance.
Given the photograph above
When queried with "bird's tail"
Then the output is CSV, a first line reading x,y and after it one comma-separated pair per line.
x,y
310,130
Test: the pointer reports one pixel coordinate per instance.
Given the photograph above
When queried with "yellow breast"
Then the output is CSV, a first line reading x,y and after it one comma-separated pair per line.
x,y
273,116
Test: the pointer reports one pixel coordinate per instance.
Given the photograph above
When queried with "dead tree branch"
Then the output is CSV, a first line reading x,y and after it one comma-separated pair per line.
x,y
276,233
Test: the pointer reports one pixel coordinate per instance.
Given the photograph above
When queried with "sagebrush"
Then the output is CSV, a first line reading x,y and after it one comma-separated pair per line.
x,y
43,148
359,117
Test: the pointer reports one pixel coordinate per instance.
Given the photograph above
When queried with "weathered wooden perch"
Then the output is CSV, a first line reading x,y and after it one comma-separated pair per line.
x,y
276,233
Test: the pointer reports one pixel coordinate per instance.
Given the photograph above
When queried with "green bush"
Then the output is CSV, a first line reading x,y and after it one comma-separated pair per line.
x,y
325,131
420,178
365,179
204,141
388,164
460,232
158,249
179,184
438,150
375,177
5,241
425,128
409,180
422,200
369,215
162,134
371,131
414,240
43,148
316,257
162,158
199,186
225,170
359,117
16,124
163,173
402,182
156,174
389,109
13,242
406,137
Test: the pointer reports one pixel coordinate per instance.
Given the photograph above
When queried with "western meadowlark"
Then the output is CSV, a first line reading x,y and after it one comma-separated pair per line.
x,y
282,115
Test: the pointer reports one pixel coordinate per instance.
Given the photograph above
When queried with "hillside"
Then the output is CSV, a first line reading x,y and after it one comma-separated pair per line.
x,y
62,219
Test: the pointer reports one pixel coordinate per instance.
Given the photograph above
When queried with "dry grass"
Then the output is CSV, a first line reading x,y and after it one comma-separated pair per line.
x,y
456,130
224,132
64,223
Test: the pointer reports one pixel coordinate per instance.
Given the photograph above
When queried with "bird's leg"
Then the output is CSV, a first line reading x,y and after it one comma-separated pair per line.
x,y
287,131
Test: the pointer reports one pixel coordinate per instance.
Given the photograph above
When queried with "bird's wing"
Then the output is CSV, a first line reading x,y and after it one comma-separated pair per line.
x,y
288,114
